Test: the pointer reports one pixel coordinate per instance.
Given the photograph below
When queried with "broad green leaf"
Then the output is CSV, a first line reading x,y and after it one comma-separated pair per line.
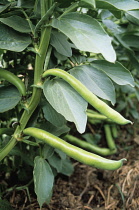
x,y
43,180
52,115
60,43
13,40
86,33
91,4
9,98
17,23
66,101
133,16
117,72
124,5
95,80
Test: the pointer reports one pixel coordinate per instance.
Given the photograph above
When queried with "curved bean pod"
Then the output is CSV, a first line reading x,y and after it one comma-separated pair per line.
x,y
73,151
13,79
88,96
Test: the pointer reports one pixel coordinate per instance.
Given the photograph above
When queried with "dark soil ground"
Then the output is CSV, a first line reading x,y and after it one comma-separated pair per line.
x,y
92,189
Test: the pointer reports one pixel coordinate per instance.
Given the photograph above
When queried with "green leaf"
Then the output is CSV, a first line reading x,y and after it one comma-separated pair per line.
x,y
12,40
25,3
57,131
9,98
91,4
133,16
117,4
59,56
86,33
63,166
66,101
52,115
67,167
4,7
117,72
131,40
5,205
17,23
43,180
60,43
95,80
56,162
61,154
47,151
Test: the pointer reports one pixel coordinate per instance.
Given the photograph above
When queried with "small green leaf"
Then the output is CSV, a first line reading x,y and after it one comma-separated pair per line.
x,y
86,33
43,180
60,43
131,40
91,4
117,72
117,4
9,98
13,40
17,23
47,151
133,16
61,154
67,167
56,162
66,101
95,80
4,7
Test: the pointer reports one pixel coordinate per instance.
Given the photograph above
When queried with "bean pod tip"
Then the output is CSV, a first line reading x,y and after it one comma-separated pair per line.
x,y
123,160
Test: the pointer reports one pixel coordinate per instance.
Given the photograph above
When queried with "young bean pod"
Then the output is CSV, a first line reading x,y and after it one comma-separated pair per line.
x,y
89,147
109,138
13,79
114,131
73,151
92,99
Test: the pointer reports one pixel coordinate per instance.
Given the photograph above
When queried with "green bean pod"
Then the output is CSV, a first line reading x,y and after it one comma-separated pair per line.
x,y
109,138
89,147
13,79
114,131
73,151
92,99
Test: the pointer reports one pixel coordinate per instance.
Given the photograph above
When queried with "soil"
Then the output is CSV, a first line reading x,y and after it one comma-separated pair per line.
x,y
92,189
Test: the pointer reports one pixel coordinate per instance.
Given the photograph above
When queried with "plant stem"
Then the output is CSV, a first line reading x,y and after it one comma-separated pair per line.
x,y
35,99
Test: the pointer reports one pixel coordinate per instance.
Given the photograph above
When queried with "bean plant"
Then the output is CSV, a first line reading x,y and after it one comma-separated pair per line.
x,y
63,64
